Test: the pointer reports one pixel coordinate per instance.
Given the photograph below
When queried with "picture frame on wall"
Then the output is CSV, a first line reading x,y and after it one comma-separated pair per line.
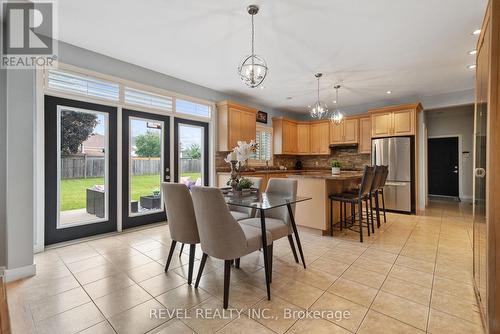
x,y
262,117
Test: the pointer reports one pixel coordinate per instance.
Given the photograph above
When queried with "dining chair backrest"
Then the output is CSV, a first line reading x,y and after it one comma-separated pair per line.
x,y
383,179
366,181
282,187
221,236
180,213
377,178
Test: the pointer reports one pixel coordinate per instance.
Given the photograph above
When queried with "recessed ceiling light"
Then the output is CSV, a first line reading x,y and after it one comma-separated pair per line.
x,y
473,52
471,67
262,87
309,106
334,101
389,92
476,32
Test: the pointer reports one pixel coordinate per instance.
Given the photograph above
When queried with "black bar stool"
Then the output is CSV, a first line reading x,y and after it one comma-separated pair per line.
x,y
355,199
377,179
380,189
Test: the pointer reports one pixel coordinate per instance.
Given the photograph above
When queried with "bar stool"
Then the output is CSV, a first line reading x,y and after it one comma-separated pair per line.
x,y
356,199
380,191
377,179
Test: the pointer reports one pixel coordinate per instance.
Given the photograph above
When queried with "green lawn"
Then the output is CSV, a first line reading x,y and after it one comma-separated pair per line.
x,y
73,191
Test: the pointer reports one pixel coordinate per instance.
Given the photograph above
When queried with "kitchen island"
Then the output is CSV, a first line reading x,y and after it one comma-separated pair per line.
x,y
319,185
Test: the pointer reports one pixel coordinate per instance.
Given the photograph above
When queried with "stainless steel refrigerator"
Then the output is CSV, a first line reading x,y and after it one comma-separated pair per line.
x,y
396,153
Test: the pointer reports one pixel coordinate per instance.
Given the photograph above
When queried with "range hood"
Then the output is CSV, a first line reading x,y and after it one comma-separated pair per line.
x,y
340,145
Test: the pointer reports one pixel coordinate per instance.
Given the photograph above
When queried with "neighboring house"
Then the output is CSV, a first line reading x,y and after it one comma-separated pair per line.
x,y
94,145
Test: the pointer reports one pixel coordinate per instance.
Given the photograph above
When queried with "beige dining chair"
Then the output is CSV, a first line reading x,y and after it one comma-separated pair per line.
x,y
239,212
278,220
221,236
181,221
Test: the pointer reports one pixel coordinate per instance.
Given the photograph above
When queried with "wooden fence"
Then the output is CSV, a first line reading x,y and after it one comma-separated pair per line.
x,y
80,166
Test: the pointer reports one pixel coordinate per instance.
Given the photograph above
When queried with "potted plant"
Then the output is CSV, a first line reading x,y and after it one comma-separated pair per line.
x,y
335,164
244,185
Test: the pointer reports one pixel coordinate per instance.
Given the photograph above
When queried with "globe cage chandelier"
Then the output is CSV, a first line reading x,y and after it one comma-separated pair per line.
x,y
318,109
253,68
337,117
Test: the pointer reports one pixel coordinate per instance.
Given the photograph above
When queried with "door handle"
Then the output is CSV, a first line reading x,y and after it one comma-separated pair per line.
x,y
455,171
167,177
480,172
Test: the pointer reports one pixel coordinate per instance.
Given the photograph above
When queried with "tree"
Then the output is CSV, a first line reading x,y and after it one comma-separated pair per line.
x,y
76,127
193,151
148,145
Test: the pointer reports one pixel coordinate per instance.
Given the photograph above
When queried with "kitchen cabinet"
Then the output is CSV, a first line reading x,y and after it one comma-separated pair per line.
x,y
395,121
320,137
345,132
365,135
303,138
284,136
235,123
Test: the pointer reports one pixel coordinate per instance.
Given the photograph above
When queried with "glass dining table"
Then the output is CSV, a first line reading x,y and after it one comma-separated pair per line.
x,y
263,202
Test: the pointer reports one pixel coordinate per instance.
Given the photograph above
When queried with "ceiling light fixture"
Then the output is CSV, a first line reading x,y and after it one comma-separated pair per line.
x,y
472,52
471,67
337,117
253,68
319,109
476,32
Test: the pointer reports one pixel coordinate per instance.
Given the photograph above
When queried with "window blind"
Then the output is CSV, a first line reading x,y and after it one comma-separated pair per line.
x,y
141,98
264,140
192,108
81,84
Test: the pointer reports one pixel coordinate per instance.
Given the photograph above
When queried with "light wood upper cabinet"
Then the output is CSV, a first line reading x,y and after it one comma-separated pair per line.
x,y
403,122
381,124
345,132
365,135
235,122
303,138
320,138
336,133
395,120
350,131
284,136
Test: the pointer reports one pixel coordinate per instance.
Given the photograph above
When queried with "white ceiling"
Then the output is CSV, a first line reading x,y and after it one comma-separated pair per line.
x,y
414,48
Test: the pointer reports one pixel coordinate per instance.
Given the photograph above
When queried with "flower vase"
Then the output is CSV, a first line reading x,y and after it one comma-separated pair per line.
x,y
234,176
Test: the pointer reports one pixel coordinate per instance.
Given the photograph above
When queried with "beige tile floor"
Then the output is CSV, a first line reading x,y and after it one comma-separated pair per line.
x,y
413,276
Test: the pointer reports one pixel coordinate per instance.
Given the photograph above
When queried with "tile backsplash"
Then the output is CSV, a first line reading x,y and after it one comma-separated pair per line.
x,y
348,157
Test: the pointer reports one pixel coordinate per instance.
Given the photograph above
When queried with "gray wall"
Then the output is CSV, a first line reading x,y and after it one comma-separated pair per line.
x,y
456,121
73,55
3,153
20,148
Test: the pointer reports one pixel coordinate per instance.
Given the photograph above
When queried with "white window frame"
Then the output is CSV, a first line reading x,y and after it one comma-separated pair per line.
x,y
255,162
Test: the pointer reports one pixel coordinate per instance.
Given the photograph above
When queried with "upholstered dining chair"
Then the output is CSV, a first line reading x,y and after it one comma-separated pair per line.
x,y
181,221
278,220
239,212
221,236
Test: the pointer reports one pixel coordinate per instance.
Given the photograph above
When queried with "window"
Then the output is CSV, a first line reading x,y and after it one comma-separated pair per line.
x,y
141,98
264,140
192,108
82,84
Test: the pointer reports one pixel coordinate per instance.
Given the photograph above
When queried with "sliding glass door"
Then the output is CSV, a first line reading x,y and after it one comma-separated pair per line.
x,y
146,162
191,152
80,169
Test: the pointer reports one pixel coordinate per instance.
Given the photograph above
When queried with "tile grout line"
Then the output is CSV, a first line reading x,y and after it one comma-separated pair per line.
x,y
433,277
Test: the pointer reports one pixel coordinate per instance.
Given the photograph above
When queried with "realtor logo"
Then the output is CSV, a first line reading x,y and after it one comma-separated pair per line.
x,y
27,38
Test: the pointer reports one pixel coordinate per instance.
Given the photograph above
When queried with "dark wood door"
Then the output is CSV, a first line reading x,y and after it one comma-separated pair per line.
x,y
443,166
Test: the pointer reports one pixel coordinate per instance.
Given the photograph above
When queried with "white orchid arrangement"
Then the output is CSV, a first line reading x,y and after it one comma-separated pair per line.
x,y
242,152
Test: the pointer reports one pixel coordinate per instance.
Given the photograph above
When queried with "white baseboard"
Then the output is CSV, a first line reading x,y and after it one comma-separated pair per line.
x,y
18,273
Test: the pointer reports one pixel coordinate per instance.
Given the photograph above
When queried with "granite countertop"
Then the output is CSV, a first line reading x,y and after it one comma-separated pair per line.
x,y
275,171
345,175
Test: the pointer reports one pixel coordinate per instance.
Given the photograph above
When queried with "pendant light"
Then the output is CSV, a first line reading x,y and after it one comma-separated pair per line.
x,y
337,117
253,68
318,109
